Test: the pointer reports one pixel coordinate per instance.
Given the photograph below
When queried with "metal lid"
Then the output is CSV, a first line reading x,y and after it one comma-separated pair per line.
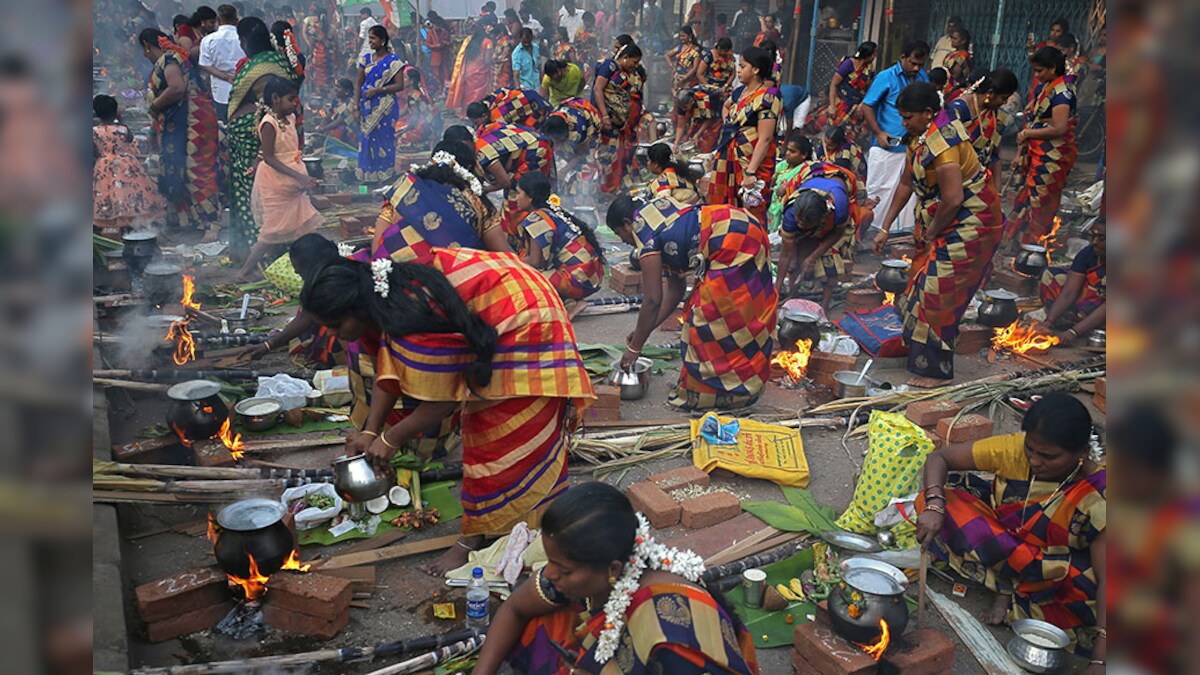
x,y
1000,294
250,514
896,262
139,236
800,315
873,576
193,390
848,540
163,269
1033,248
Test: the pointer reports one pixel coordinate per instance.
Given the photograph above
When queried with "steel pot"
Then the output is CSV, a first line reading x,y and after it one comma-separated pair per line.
x,y
252,527
314,167
196,409
358,483
1097,338
893,276
846,387
633,383
870,590
259,413
1031,261
796,325
163,283
1038,646
139,249
999,309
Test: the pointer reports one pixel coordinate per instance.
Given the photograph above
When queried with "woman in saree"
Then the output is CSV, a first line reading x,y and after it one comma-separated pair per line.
x,y
606,602
959,63
797,156
477,333
1048,150
313,29
472,78
671,176
563,49
522,107
612,96
685,62
242,131
817,219
587,44
697,117
720,68
186,125
836,145
729,318
503,41
850,83
574,127
377,86
958,227
1075,297
563,247
979,109
1034,534
746,152
417,125
505,153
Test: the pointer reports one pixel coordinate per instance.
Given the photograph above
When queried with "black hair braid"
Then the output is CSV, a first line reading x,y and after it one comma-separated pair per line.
x,y
660,154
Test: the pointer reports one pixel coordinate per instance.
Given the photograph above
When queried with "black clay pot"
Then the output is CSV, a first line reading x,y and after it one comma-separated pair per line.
x,y
999,309
140,248
252,527
197,409
1031,261
162,284
892,276
795,326
869,591
314,167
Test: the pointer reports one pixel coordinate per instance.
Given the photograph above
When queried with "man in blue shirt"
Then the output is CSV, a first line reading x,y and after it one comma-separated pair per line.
x,y
886,161
525,58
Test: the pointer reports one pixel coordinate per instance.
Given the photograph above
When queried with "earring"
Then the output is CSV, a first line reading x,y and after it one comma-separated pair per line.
x,y
612,580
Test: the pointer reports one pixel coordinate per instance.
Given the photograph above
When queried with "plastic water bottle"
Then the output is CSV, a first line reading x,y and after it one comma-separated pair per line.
x,y
477,600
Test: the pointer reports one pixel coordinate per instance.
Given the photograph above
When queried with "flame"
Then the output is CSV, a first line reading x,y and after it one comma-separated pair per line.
x,y
185,344
906,259
255,583
212,530
1021,339
183,439
795,363
880,646
293,563
231,440
889,299
1045,241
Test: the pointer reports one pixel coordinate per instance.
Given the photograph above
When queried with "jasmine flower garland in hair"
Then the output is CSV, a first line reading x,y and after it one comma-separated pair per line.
x,y
443,158
380,271
345,250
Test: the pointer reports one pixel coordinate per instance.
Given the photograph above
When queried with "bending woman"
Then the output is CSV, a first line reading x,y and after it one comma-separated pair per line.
x,y
978,108
1035,535
728,320
958,229
1075,297
473,332
598,545
746,151
672,177
612,94
557,243
849,85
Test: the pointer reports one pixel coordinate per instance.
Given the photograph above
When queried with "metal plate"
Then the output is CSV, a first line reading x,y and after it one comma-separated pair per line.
x,y
250,514
848,541
873,576
1000,294
896,262
163,269
1045,635
193,390
139,236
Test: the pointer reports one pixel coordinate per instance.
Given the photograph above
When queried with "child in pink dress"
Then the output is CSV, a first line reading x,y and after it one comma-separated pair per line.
x,y
123,195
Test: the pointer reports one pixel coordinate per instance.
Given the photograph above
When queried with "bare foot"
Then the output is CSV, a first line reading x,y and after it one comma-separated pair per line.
x,y
994,616
927,382
210,236
454,557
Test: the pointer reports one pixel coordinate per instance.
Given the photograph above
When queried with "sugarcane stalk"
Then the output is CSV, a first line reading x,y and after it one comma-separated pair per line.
x,y
431,659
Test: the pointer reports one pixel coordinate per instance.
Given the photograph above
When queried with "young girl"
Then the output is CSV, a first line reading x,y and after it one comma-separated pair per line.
x,y
559,244
797,155
279,200
123,196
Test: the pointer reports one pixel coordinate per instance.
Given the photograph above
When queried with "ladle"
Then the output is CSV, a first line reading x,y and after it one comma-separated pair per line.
x,y
864,371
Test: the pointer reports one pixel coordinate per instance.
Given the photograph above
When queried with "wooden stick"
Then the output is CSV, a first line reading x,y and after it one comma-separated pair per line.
x,y
1037,362
135,386
378,541
922,586
431,659
389,553
982,645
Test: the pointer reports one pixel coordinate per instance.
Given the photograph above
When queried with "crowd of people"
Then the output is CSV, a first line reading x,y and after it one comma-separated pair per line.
x,y
456,321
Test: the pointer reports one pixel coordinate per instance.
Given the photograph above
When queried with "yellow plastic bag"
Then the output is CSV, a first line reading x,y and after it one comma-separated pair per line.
x,y
766,451
896,454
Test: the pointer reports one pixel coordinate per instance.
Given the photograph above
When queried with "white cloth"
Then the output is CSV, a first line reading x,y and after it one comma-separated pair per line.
x,y
221,49
937,57
364,27
533,25
571,23
883,177
800,116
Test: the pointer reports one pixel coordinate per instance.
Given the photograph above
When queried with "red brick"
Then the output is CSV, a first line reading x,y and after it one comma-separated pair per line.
x,y
1004,277
625,280
351,226
938,441
822,366
970,427
709,509
712,540
607,396
341,198
1101,403
186,624
680,478
321,202
304,624
972,338
863,299
313,594
926,651
1102,387
146,450
828,653
927,413
654,503
181,593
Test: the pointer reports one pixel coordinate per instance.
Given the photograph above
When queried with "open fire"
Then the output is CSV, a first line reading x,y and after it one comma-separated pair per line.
x,y
877,648
795,364
254,584
231,440
1022,339
1049,236
178,332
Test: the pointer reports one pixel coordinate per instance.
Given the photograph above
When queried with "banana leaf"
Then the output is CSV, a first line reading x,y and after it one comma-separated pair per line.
x,y
771,629
598,358
436,496
821,515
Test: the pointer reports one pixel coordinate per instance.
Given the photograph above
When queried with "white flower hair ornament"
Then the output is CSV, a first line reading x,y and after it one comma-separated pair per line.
x,y
443,158
345,250
647,554
381,270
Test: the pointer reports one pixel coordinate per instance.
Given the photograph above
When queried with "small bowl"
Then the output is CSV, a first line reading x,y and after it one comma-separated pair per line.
x,y
260,413
846,384
1038,646
1097,338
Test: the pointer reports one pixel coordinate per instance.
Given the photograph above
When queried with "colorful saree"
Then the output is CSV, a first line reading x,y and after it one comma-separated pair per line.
x,y
959,65
720,70
472,77
519,151
502,47
669,628
317,71
945,275
583,122
417,125
683,64
377,149
615,154
1095,288
787,179
568,259
823,179
1028,538
187,133
729,318
514,431
983,129
525,108
851,90
241,135
680,188
420,214
852,154
1047,165
704,123
739,135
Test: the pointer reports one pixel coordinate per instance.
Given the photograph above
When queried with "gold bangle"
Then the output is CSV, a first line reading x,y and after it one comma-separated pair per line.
x,y
370,433
935,508
389,445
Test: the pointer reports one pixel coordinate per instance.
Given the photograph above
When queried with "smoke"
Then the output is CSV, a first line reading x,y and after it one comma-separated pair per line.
x,y
139,334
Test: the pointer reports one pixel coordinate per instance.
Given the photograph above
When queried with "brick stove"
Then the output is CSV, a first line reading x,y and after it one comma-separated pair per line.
x,y
818,649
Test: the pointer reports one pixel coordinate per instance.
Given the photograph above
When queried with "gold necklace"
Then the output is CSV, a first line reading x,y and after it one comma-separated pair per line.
x,y
1052,494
